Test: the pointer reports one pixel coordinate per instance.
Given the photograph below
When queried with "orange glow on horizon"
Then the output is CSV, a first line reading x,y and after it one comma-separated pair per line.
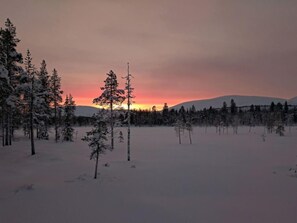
x,y
146,105
144,99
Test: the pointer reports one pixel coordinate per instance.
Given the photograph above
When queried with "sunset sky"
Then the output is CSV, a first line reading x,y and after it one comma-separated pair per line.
x,y
178,50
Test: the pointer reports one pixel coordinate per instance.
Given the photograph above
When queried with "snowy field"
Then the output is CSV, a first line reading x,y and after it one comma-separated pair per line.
x,y
219,178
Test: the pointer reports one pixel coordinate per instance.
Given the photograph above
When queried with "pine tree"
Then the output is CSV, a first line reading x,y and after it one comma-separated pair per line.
x,y
110,96
10,61
56,93
97,139
69,108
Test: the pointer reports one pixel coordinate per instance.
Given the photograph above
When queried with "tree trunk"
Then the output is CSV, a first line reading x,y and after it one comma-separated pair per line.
x,y
190,138
96,166
7,130
179,139
56,124
128,142
128,138
31,121
3,130
111,124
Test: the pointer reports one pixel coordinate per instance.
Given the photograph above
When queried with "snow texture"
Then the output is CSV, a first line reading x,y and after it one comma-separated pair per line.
x,y
219,178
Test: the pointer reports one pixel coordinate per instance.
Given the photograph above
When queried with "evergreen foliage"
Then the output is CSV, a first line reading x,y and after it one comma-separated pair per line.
x,y
110,97
97,138
69,109
56,93
10,70
46,95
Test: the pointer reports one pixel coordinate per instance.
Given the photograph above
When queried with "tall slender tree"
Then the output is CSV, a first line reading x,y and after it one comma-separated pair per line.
x,y
110,97
46,95
29,92
129,96
56,92
30,70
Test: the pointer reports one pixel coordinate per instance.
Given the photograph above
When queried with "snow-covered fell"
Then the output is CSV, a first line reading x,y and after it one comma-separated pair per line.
x,y
293,101
239,100
86,111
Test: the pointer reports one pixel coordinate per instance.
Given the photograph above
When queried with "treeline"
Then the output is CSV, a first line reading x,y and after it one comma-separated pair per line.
x,y
30,97
273,116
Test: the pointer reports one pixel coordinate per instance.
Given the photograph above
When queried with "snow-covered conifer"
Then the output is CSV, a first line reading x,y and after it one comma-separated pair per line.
x,y
69,108
56,93
46,95
97,138
29,90
165,114
10,61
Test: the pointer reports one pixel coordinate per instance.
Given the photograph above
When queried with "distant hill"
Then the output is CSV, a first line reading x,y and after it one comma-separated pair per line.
x,y
293,101
86,111
239,100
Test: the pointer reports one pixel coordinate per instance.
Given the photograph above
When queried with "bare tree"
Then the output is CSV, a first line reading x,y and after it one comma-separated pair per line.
x,y
129,96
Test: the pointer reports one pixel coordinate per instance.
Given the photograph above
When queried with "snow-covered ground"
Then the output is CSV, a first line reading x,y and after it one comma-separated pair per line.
x,y
219,178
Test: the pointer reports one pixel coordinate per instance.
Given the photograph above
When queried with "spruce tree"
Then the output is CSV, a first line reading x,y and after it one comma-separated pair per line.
x,y
10,61
69,108
56,93
29,90
233,107
46,95
110,97
165,114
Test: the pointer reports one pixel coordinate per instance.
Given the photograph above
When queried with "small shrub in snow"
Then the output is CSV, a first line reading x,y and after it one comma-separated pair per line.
x,y
121,137
280,129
